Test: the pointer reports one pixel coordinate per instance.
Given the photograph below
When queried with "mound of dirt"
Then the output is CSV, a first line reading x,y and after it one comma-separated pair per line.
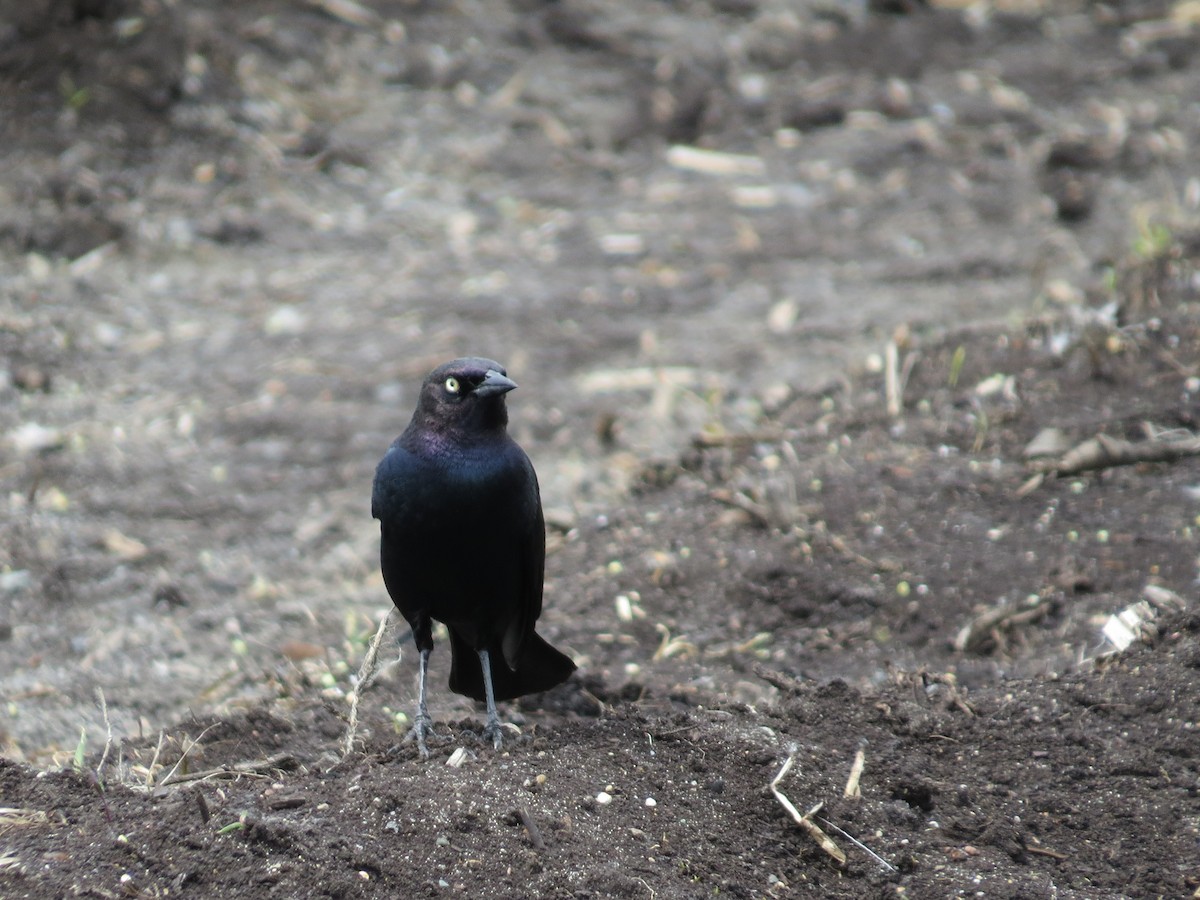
x,y
859,359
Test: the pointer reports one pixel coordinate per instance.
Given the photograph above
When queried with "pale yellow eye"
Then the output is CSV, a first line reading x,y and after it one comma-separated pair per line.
x,y
452,385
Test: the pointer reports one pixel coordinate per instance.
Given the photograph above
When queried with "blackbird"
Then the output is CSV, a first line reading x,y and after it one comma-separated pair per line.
x,y
463,541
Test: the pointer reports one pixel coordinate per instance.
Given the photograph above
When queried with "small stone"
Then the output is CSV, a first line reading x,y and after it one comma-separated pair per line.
x,y
604,798
13,581
286,320
1048,442
782,316
34,438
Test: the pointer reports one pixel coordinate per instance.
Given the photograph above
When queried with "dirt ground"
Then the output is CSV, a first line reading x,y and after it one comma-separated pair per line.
x,y
859,359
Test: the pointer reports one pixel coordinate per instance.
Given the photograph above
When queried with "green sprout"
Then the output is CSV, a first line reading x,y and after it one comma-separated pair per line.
x,y
1153,239
74,96
80,752
956,364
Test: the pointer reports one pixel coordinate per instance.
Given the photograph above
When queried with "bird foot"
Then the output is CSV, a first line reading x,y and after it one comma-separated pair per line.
x,y
422,728
494,732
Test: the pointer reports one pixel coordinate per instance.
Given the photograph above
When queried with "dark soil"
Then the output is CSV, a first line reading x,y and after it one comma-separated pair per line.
x,y
235,237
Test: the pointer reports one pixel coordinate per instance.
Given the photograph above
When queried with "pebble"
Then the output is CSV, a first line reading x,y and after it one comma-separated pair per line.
x,y
285,320
15,580
34,438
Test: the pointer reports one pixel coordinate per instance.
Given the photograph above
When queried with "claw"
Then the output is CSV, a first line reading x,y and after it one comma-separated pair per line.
x,y
422,727
495,731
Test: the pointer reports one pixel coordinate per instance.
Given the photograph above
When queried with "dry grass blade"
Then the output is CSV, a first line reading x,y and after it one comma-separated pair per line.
x,y
805,821
672,646
268,766
895,377
108,741
860,845
739,439
893,390
13,817
821,531
172,775
853,791
366,673
713,162
153,767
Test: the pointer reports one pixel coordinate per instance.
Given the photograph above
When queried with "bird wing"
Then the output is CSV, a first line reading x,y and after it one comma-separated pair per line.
x,y
532,550
392,478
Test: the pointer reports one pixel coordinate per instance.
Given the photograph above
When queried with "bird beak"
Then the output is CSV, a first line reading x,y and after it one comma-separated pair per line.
x,y
494,384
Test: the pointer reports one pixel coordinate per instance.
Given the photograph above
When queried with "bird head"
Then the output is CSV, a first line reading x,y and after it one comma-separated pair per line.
x,y
466,396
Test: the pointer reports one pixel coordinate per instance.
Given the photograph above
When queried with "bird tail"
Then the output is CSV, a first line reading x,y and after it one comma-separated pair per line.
x,y
540,668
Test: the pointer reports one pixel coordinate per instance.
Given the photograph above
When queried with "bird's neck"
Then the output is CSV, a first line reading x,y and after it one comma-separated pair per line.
x,y
447,439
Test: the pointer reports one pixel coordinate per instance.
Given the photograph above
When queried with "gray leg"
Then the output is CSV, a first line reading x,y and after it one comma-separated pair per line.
x,y
422,725
492,729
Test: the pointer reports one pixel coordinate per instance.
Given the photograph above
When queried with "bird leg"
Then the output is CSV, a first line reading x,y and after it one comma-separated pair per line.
x,y
492,729
422,724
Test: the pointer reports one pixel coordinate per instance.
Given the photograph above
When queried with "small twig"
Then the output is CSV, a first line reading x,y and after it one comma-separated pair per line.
x,y
1031,484
535,833
806,821
757,511
853,791
893,390
1104,452
987,626
348,11
1042,851
713,162
781,680
839,544
366,672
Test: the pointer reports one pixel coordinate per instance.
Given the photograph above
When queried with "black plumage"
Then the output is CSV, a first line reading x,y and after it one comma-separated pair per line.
x,y
462,540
